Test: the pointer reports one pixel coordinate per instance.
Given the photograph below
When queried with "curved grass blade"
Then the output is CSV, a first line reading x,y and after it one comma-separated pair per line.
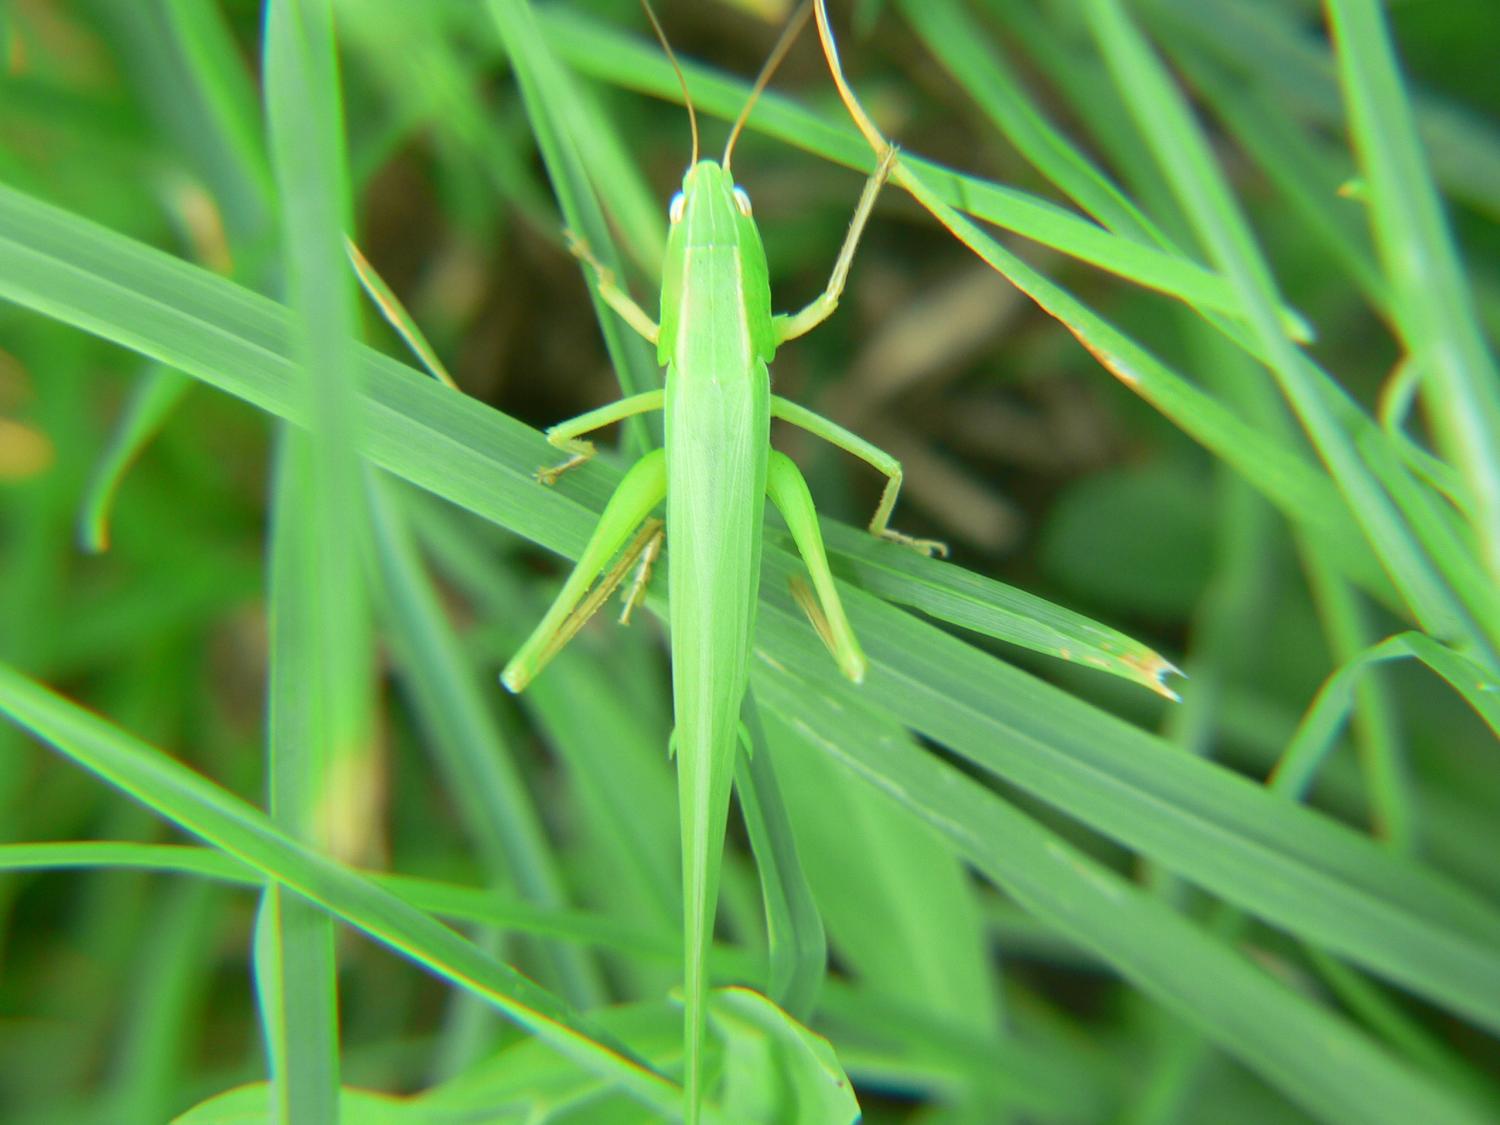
x,y
1319,730
154,396
199,807
1434,310
972,601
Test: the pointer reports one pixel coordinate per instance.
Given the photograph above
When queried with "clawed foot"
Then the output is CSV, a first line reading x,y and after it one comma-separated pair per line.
x,y
932,548
582,451
548,474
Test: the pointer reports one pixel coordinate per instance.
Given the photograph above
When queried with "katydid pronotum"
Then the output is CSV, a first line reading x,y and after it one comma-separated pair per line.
x,y
715,338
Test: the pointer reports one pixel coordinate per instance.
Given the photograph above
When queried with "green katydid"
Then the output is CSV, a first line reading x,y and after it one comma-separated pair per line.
x,y
715,338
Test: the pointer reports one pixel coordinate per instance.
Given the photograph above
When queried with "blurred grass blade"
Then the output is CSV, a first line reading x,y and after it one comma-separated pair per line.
x,y
797,945
1317,733
951,34
296,972
864,854
479,767
775,1069
205,810
323,772
461,903
1434,311
1307,171
154,395
396,316
1313,1057
546,89
1282,47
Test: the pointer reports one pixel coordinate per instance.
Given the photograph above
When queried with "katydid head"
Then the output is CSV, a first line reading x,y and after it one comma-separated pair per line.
x,y
712,222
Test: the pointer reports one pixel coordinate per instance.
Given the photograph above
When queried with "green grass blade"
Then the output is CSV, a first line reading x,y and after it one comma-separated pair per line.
x,y
1280,473
476,761
203,809
295,968
1320,727
1434,310
450,900
796,943
950,33
154,396
1184,156
992,608
1276,44
864,853
1289,866
1313,1057
1307,173
550,104
165,1005
320,733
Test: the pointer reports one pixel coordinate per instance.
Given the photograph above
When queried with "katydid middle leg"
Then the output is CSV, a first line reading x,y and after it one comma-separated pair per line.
x,y
564,435
872,455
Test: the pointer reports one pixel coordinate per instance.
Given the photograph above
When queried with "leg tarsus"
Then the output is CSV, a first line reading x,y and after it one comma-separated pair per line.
x,y
788,326
610,289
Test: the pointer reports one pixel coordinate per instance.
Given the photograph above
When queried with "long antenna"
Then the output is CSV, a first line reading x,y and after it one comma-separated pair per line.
x,y
687,99
778,52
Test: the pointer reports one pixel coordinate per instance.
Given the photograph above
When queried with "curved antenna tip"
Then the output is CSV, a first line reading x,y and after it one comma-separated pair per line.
x,y
687,98
778,53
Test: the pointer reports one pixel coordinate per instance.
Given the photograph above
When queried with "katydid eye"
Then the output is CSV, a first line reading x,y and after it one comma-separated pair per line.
x,y
677,207
743,200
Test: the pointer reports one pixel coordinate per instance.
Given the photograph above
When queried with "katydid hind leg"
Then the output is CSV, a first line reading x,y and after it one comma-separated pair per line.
x,y
641,490
788,491
871,455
